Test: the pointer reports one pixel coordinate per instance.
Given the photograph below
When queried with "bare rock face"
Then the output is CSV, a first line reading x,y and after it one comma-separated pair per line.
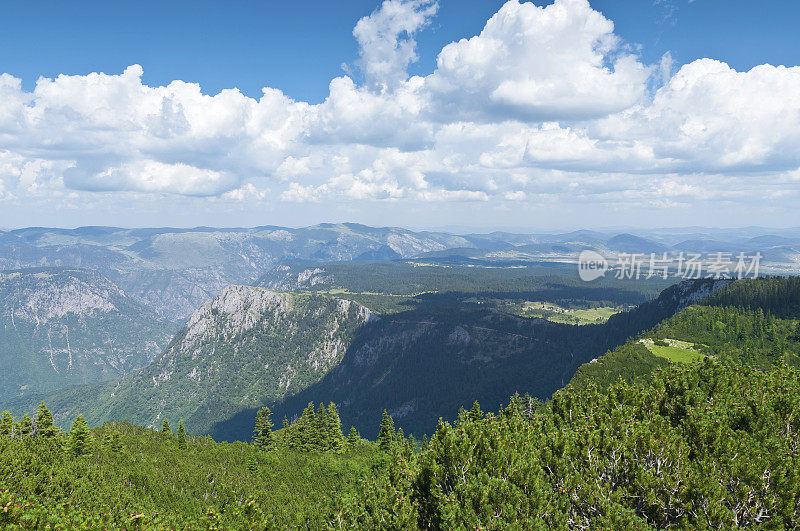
x,y
241,307
42,296
693,292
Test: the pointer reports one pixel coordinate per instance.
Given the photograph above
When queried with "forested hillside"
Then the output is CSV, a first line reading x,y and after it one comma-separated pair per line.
x,y
252,347
425,363
752,322
704,445
510,279
61,326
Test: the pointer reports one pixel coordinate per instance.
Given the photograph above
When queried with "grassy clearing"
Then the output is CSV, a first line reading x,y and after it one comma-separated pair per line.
x,y
560,314
590,316
676,351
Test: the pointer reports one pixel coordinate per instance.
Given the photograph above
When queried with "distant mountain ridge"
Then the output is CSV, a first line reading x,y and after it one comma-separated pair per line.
x,y
174,271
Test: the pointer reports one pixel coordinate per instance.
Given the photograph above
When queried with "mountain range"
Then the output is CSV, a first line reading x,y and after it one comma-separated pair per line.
x,y
174,271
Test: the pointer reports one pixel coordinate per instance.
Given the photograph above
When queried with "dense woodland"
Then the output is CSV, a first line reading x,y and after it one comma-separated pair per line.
x,y
553,282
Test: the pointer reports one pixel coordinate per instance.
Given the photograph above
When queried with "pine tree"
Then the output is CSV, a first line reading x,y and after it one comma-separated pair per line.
x,y
108,437
6,423
353,438
116,442
165,427
408,448
476,414
262,435
181,435
335,435
321,440
79,436
386,435
44,422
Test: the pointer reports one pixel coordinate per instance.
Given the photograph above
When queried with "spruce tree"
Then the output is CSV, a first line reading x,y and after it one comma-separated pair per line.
x,y
107,437
165,427
306,430
116,442
386,435
476,413
44,422
25,425
353,438
321,440
335,435
286,436
79,436
408,448
181,435
262,435
6,423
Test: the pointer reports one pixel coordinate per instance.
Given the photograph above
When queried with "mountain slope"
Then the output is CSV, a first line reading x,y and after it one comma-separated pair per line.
x,y
424,364
753,322
60,327
246,346
251,347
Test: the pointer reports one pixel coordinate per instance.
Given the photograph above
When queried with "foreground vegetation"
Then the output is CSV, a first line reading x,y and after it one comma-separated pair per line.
x,y
121,475
636,441
703,446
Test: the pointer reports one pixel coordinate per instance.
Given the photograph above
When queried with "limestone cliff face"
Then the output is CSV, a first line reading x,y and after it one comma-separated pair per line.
x,y
62,326
40,296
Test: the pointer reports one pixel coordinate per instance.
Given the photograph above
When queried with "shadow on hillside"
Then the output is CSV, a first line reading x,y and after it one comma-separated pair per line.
x,y
426,362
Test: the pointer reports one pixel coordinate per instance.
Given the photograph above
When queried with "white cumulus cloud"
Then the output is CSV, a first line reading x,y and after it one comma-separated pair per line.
x,y
546,105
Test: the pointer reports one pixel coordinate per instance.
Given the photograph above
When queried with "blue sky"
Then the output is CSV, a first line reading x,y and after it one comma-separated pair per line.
x,y
662,120
299,47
